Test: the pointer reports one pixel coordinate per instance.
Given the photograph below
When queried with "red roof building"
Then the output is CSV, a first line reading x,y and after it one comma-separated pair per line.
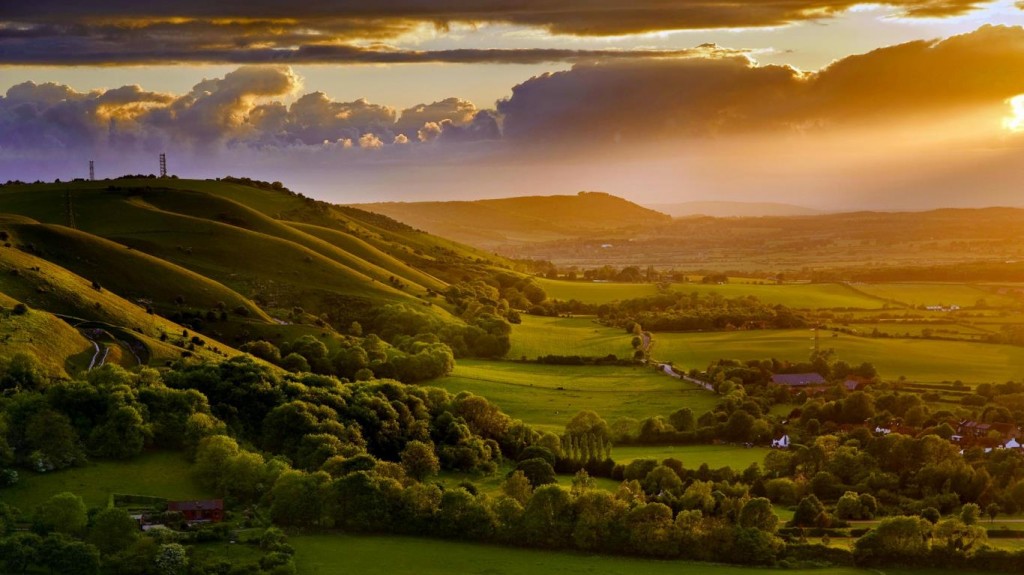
x,y
204,510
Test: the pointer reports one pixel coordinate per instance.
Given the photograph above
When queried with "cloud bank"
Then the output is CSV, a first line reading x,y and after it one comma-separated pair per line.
x,y
877,121
57,32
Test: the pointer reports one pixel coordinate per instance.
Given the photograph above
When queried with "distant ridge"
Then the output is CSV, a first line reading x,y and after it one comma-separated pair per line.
x,y
523,220
727,209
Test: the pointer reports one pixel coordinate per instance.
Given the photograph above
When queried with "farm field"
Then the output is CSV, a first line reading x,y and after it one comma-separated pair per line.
x,y
548,396
693,456
539,336
944,294
916,359
799,296
163,474
343,554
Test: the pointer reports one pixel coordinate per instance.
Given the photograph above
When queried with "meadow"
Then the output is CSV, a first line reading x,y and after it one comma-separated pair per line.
x,y
916,359
693,456
548,396
538,336
161,474
343,554
794,295
944,294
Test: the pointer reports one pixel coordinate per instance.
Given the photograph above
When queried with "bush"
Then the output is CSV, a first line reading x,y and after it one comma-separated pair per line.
x,y
20,309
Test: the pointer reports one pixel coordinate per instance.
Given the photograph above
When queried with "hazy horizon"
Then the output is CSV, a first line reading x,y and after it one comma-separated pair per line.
x,y
826,104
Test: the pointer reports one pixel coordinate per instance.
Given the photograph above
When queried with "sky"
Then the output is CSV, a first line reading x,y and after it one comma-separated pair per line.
x,y
829,104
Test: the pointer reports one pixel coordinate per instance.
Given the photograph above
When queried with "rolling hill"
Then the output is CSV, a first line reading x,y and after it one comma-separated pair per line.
x,y
146,260
509,221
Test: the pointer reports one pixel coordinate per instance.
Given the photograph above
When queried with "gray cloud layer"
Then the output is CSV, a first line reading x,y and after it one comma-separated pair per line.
x,y
641,101
630,101
63,32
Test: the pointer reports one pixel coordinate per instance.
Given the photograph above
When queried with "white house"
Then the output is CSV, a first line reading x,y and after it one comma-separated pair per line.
x,y
781,443
1012,444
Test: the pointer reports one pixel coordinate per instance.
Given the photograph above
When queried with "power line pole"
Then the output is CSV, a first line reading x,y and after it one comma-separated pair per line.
x,y
163,165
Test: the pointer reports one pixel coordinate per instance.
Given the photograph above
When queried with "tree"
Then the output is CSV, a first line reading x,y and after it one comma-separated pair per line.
x,y
537,471
295,363
21,372
69,557
895,540
19,551
53,441
420,460
992,510
64,513
810,513
171,559
113,530
682,419
759,514
970,513
518,487
122,435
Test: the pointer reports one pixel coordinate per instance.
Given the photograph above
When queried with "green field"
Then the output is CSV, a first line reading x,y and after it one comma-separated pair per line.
x,y
693,456
344,554
797,296
944,294
538,336
548,396
164,474
917,359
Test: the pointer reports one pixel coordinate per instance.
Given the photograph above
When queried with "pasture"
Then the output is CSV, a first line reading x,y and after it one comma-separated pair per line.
x,y
795,295
548,396
931,294
538,336
693,456
916,359
343,554
162,474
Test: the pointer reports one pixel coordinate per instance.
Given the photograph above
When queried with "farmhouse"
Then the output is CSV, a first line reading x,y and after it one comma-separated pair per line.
x,y
199,511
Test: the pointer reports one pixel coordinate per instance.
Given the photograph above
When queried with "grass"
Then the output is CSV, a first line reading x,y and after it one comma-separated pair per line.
x,y
340,554
161,474
916,359
797,296
693,456
944,294
61,350
549,396
41,284
539,336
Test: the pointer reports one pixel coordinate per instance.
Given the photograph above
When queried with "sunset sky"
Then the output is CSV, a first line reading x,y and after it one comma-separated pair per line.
x,y
831,104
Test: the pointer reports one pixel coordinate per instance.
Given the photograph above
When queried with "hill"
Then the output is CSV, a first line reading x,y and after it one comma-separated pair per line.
x,y
234,260
724,209
862,246
523,220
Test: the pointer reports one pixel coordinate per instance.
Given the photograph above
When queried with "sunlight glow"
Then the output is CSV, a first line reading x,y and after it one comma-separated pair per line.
x,y
1015,122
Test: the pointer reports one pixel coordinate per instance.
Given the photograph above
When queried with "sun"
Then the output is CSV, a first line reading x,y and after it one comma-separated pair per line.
x,y
1015,122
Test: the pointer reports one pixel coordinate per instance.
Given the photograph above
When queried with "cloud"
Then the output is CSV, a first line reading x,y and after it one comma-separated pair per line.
x,y
264,31
642,101
370,141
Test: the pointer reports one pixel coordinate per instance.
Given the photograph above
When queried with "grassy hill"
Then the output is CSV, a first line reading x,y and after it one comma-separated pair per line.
x,y
61,349
493,223
233,260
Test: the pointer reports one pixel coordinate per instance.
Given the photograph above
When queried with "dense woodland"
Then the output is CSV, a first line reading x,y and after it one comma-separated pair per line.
x,y
312,451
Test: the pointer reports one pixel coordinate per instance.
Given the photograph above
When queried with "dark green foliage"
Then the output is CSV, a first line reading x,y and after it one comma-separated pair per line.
x,y
538,471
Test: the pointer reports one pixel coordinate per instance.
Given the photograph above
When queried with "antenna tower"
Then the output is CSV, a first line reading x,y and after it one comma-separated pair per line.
x,y
92,171
163,165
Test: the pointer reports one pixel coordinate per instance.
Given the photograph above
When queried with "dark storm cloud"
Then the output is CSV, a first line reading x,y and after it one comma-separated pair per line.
x,y
649,100
253,31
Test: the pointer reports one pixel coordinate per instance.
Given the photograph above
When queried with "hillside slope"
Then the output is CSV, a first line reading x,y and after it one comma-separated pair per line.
x,y
493,223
